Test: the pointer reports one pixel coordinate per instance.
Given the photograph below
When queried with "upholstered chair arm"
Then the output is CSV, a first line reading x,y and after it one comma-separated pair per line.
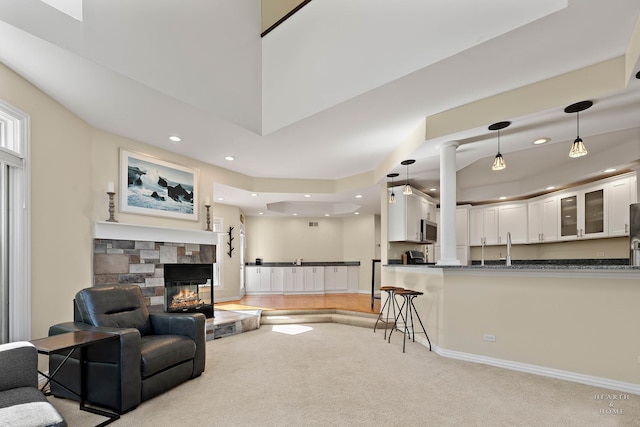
x,y
191,325
18,365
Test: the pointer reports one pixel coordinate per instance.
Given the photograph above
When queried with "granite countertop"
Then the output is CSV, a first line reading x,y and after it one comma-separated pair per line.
x,y
306,264
541,267
525,267
553,264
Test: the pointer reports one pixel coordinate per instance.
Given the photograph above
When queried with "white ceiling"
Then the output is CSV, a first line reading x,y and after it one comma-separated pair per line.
x,y
336,96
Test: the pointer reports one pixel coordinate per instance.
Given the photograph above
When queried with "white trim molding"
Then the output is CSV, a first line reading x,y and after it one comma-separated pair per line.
x,y
15,143
537,370
119,231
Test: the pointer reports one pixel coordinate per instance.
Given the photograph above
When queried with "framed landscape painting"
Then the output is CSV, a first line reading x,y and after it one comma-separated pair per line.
x,y
152,186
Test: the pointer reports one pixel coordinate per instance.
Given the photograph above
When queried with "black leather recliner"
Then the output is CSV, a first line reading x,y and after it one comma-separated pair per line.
x,y
154,352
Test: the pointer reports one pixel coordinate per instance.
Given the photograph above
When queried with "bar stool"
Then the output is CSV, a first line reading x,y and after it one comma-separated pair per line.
x,y
410,309
390,303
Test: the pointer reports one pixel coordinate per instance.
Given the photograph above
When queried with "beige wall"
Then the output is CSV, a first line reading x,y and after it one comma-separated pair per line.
x,y
284,239
274,10
583,322
360,245
61,201
71,163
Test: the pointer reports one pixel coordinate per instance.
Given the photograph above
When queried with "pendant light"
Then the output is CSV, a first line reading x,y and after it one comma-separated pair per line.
x,y
578,149
392,198
407,188
498,162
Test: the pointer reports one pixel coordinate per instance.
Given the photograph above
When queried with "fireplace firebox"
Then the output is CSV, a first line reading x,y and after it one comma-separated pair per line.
x,y
188,288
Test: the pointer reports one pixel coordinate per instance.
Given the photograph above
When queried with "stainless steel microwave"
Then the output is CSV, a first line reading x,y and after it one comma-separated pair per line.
x,y
428,231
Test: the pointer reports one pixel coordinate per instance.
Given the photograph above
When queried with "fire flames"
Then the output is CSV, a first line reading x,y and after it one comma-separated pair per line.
x,y
185,299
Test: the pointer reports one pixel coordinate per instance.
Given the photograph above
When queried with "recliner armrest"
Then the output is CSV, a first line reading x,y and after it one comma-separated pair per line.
x,y
191,325
188,324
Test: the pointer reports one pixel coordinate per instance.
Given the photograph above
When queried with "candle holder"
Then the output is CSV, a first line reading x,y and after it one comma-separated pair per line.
x,y
111,207
208,207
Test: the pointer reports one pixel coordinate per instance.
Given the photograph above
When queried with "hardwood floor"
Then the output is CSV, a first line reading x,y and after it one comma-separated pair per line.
x,y
353,302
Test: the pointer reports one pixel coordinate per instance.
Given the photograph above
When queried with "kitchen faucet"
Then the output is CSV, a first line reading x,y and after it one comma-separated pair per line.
x,y
508,248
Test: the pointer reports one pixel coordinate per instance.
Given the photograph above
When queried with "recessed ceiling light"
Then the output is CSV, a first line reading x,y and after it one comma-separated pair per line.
x,y
229,158
356,213
358,196
503,197
295,214
174,138
254,194
260,213
326,215
433,189
220,198
541,141
609,170
551,187
307,195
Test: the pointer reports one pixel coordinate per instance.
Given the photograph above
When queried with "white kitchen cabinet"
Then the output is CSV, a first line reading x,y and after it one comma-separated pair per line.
x,y
405,215
582,214
313,279
512,218
543,220
258,279
462,226
277,280
483,226
293,279
622,193
428,210
336,279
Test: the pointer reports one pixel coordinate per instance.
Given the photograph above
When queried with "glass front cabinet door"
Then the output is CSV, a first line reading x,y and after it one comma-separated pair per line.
x,y
582,214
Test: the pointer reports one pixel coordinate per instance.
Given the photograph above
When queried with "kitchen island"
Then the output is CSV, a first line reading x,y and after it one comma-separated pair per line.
x,y
575,322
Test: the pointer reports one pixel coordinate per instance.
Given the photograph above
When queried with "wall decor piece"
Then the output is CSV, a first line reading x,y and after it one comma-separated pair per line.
x,y
152,186
230,242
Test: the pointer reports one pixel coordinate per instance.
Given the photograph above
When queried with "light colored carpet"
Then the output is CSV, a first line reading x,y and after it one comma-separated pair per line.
x,y
340,375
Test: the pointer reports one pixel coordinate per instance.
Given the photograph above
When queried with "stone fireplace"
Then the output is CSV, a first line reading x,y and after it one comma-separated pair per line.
x,y
132,254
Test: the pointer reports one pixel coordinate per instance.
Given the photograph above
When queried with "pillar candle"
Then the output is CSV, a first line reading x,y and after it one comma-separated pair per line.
x,y
110,187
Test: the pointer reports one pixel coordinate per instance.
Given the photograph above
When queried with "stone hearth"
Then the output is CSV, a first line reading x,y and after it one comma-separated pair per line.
x,y
232,322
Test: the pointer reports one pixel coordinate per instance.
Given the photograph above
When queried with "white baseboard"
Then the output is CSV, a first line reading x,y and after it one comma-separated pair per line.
x,y
536,370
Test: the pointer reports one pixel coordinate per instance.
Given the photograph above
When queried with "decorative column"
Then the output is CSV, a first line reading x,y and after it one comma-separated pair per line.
x,y
448,187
